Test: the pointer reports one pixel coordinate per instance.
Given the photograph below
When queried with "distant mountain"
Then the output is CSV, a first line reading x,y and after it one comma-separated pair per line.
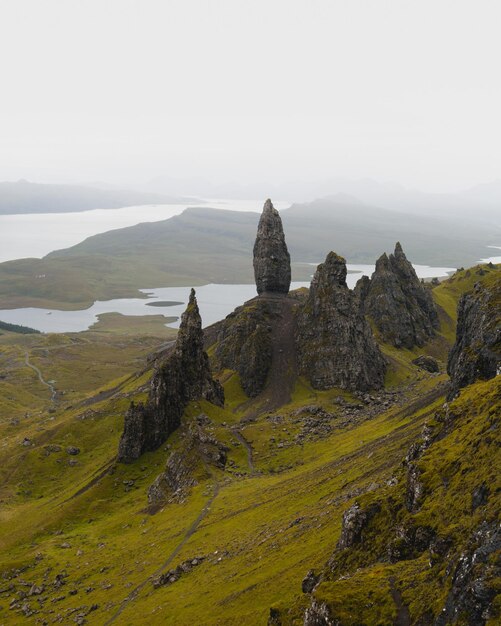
x,y
25,197
483,201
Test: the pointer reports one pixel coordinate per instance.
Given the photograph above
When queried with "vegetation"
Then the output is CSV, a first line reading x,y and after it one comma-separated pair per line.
x,y
17,328
78,527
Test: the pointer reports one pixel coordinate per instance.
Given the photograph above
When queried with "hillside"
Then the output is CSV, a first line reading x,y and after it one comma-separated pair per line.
x,y
81,544
204,245
25,197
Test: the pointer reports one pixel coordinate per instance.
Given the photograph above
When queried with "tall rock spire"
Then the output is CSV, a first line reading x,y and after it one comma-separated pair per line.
x,y
272,263
183,376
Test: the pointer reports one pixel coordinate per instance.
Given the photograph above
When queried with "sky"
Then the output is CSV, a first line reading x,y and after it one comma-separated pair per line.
x,y
239,90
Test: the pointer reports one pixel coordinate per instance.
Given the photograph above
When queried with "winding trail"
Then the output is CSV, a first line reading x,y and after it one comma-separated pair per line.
x,y
190,531
40,377
250,454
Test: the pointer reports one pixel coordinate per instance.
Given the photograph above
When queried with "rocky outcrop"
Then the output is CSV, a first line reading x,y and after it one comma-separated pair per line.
x,y
473,587
244,344
199,449
183,376
477,351
427,363
335,345
355,521
272,267
400,306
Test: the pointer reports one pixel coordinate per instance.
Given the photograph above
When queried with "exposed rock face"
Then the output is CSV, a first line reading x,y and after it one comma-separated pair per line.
x,y
272,266
355,521
335,345
401,307
199,449
477,351
244,345
427,363
183,376
472,591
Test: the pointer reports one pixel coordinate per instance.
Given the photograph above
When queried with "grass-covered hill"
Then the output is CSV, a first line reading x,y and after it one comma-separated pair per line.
x,y
204,245
26,197
79,542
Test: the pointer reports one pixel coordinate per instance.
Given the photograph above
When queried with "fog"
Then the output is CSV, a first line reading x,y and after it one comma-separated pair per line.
x,y
251,93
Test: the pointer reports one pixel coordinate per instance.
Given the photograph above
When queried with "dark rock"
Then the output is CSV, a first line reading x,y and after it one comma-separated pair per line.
x,y
401,307
479,496
409,542
310,581
272,268
335,345
183,376
415,489
471,594
318,614
427,363
244,345
199,447
72,450
355,521
173,575
477,351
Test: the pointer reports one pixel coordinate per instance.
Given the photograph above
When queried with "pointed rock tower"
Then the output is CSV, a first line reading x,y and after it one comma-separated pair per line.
x,y
335,344
272,263
400,306
183,376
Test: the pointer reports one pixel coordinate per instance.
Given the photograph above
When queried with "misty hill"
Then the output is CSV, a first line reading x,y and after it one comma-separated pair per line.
x,y
357,230
483,201
25,197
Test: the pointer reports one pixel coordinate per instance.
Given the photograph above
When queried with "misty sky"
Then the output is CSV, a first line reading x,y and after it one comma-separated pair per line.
x,y
126,90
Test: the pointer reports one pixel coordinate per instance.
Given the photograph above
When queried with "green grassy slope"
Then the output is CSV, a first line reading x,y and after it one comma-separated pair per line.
x,y
78,527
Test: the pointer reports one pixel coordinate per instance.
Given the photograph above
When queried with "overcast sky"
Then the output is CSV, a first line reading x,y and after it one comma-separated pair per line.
x,y
248,90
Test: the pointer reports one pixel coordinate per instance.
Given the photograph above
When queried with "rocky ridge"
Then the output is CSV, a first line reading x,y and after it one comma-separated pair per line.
x,y
335,344
183,375
400,306
476,353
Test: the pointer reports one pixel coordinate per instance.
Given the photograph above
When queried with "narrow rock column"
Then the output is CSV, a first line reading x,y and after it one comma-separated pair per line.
x,y
272,263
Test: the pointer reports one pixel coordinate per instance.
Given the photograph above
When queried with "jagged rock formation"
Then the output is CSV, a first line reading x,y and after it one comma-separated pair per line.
x,y
427,363
401,307
183,376
477,351
272,267
199,449
335,345
244,344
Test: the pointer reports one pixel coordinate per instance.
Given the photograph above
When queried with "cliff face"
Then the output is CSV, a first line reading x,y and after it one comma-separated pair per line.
x,y
477,351
401,307
184,376
272,268
244,344
335,345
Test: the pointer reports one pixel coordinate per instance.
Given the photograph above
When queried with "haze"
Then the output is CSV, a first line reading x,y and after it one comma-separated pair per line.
x,y
126,91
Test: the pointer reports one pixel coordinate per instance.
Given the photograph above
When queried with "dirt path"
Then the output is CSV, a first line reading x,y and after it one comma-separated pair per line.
x,y
250,455
403,617
190,531
40,377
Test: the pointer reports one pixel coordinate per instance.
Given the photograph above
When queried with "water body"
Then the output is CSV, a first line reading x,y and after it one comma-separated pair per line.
x,y
215,302
35,235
